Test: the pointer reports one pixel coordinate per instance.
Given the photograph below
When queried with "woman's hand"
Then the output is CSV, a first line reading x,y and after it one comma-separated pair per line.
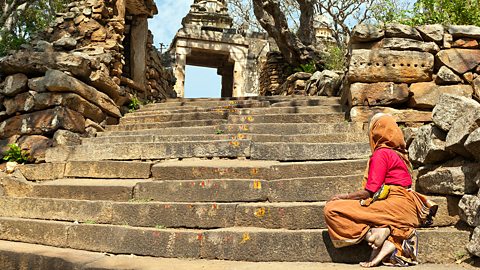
x,y
339,197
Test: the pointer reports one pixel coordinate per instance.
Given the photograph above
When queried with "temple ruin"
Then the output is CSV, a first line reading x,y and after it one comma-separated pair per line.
x,y
208,40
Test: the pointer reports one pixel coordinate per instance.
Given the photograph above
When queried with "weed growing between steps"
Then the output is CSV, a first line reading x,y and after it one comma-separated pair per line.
x,y
16,154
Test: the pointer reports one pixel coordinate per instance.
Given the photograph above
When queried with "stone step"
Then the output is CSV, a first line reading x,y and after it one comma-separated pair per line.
x,y
235,243
258,98
148,151
86,189
207,104
23,256
287,118
169,124
241,111
174,117
285,151
253,169
278,215
260,128
307,138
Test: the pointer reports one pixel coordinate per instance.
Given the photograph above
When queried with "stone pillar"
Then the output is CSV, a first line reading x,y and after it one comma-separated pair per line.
x,y
138,49
120,10
227,79
179,70
239,69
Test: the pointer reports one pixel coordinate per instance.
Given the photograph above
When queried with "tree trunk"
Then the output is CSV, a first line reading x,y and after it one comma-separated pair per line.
x,y
306,33
273,20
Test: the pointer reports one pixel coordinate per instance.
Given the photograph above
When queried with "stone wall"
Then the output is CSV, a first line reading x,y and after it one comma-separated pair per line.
x,y
447,152
72,78
403,70
273,73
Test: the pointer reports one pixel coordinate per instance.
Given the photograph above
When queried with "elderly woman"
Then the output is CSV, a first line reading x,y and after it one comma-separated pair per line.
x,y
386,211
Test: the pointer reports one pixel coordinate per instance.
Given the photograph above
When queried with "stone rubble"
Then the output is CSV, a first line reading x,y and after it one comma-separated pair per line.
x,y
448,151
77,72
429,60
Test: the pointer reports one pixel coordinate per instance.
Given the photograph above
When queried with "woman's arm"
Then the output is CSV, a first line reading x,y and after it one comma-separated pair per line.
x,y
357,195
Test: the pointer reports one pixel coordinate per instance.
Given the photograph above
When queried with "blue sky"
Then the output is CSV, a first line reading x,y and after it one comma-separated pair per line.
x,y
200,82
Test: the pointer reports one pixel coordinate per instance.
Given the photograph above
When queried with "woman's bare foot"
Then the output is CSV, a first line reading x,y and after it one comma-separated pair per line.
x,y
377,236
387,249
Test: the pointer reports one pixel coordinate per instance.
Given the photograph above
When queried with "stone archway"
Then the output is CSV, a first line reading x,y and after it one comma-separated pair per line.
x,y
227,56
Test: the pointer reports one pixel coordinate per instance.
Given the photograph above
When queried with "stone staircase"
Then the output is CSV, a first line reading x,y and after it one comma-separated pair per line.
x,y
219,179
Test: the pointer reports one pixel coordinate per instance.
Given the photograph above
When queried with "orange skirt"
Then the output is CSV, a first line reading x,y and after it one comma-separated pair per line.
x,y
348,221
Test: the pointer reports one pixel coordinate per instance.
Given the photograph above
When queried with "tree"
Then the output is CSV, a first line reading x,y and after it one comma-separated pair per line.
x,y
446,12
21,19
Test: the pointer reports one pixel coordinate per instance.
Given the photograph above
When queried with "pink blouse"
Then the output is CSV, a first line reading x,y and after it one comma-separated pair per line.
x,y
386,166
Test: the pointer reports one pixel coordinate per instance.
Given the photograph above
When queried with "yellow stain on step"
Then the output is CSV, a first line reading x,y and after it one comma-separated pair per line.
x,y
250,118
260,212
241,136
245,238
257,184
235,143
254,171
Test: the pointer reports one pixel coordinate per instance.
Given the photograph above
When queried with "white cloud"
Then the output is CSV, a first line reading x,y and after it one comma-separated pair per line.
x,y
166,23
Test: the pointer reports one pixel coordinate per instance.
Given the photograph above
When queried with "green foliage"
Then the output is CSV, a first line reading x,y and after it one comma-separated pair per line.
x,y
219,131
89,222
15,153
160,227
447,12
388,11
334,59
308,68
27,22
134,104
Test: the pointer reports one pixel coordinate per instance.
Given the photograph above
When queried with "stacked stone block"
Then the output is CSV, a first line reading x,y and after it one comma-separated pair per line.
x,y
448,153
70,79
403,70
273,74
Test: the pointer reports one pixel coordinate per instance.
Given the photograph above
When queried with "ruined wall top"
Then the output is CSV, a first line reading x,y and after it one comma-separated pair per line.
x,y
208,15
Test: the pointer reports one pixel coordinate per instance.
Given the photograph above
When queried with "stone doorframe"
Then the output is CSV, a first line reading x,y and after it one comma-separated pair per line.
x,y
185,49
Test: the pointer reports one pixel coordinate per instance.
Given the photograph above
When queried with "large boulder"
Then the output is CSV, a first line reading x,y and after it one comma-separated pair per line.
x,y
474,245
372,66
57,81
459,31
65,137
328,83
33,101
476,88
397,30
364,113
404,44
43,122
431,32
14,84
428,147
366,33
461,129
36,145
37,63
472,144
378,94
456,180
470,210
460,60
447,76
450,108
427,94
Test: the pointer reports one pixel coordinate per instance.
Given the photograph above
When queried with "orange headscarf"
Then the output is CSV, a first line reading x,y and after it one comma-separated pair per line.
x,y
385,133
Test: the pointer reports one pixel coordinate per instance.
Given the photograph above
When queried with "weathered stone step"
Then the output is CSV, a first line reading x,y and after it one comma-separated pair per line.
x,y
146,151
258,98
169,124
207,104
285,151
288,118
87,169
253,169
241,111
86,189
142,213
235,243
174,117
260,128
23,256
307,138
